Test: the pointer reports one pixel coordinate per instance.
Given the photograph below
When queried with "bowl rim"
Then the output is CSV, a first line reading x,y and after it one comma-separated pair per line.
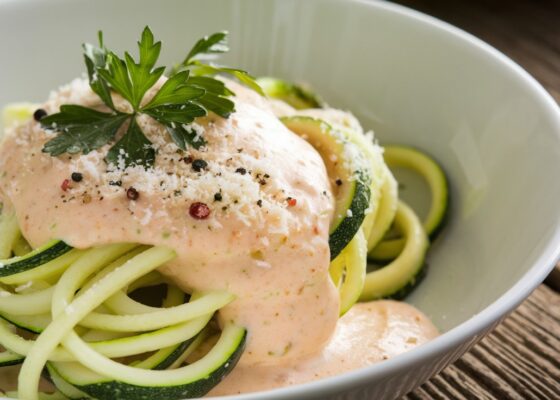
x,y
472,327
493,313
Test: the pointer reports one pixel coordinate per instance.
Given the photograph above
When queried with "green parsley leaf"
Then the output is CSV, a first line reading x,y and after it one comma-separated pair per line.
x,y
116,75
182,98
95,58
184,136
134,148
175,113
243,77
215,99
143,75
201,69
175,90
211,85
132,80
80,129
215,43
217,104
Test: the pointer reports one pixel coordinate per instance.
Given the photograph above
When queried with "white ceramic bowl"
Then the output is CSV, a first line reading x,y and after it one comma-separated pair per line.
x,y
411,78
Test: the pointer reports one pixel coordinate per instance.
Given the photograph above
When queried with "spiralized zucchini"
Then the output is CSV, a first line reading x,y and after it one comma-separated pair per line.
x,y
93,337
92,292
405,254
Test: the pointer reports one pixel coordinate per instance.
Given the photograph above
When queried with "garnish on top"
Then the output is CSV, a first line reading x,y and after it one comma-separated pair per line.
x,y
190,91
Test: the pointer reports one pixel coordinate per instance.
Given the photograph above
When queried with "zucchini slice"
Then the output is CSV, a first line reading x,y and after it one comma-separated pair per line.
x,y
30,323
8,358
36,258
160,360
428,169
295,95
351,287
396,279
191,381
9,233
45,272
386,210
21,247
62,386
350,169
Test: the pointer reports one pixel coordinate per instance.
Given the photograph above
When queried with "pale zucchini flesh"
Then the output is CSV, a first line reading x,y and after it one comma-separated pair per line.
x,y
429,170
397,278
194,385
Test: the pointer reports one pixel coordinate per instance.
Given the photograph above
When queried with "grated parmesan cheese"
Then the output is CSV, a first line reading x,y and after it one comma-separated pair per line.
x,y
23,287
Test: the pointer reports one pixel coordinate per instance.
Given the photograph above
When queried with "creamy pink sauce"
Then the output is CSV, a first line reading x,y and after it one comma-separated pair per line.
x,y
274,257
367,334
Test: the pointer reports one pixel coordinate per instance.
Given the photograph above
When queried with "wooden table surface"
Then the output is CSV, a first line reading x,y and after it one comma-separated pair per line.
x,y
521,358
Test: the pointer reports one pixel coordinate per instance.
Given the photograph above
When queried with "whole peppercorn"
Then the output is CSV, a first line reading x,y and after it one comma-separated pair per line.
x,y
199,210
77,177
65,185
132,194
198,165
39,114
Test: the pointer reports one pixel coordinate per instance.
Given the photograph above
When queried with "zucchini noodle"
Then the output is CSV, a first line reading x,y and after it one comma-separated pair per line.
x,y
9,232
93,333
355,259
90,283
428,169
21,247
407,254
389,280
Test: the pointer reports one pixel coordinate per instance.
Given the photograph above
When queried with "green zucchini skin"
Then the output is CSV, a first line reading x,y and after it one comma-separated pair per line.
x,y
36,258
350,211
9,358
403,292
69,391
163,364
28,323
174,355
445,216
349,226
113,390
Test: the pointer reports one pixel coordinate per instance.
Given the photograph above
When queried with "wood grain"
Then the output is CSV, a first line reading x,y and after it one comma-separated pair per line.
x,y
521,358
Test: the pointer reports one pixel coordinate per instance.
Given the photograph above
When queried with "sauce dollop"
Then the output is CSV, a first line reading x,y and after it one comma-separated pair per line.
x,y
367,334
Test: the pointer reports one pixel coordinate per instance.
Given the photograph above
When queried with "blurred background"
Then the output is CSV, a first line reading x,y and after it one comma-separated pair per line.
x,y
528,31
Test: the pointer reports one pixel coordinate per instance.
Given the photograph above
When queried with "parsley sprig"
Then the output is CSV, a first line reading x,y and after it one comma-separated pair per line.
x,y
190,91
